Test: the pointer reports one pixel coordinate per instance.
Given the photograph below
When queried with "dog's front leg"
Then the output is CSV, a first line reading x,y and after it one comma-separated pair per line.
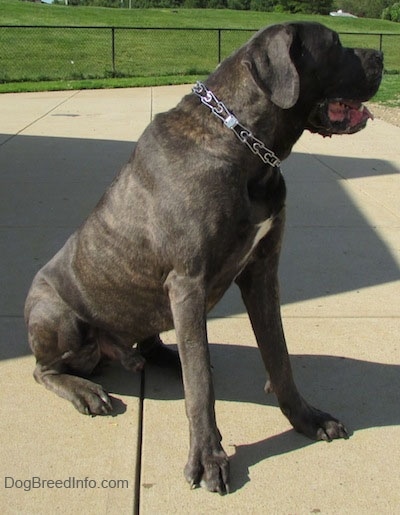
x,y
207,464
260,291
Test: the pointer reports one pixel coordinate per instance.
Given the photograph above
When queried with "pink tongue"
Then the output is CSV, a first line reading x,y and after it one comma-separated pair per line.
x,y
338,112
357,116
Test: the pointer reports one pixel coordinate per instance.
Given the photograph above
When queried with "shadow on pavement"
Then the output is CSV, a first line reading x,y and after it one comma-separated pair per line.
x,y
49,185
361,394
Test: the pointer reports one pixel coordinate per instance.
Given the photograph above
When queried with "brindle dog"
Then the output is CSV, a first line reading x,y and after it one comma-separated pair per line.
x,y
199,205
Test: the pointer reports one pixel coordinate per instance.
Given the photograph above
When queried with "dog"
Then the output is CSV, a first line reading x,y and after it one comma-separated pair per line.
x,y
199,205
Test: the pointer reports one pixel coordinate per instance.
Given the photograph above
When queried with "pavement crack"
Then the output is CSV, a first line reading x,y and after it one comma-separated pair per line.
x,y
138,471
12,136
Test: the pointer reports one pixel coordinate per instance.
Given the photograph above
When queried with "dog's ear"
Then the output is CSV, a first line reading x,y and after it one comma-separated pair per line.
x,y
269,62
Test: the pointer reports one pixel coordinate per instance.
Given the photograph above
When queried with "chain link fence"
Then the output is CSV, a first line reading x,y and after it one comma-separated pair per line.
x,y
37,53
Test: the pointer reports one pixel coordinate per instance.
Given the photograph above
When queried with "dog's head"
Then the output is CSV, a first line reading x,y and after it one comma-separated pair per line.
x,y
303,66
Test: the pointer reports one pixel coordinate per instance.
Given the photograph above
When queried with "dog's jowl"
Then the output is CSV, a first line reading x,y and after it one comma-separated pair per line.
x,y
199,205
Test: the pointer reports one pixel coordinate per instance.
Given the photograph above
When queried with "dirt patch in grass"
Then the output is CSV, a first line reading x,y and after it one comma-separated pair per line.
x,y
388,114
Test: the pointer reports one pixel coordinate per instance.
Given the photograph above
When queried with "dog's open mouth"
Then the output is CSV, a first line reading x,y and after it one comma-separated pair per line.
x,y
338,116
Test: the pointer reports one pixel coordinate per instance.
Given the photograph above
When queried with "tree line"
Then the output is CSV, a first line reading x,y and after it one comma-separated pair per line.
x,y
386,9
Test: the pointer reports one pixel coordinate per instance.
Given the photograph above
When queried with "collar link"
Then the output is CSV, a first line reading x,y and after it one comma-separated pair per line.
x,y
219,110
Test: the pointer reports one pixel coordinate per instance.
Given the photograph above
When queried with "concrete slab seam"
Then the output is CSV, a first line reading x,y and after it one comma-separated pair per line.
x,y
12,136
138,472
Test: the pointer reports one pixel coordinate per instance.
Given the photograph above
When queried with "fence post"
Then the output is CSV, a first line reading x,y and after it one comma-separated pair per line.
x,y
113,50
219,46
380,41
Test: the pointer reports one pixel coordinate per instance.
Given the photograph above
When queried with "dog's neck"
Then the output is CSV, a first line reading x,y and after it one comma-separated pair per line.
x,y
258,113
219,110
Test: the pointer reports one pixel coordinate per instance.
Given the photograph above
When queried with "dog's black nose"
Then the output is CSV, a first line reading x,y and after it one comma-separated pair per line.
x,y
372,63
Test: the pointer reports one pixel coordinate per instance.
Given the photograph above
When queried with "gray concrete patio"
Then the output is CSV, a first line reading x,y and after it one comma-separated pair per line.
x,y
340,302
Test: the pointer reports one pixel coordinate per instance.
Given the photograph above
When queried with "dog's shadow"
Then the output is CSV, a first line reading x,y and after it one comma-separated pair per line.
x,y
360,393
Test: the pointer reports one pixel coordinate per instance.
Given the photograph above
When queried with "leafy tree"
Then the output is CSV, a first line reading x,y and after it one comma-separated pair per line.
x,y
392,13
262,5
308,6
321,6
239,5
216,4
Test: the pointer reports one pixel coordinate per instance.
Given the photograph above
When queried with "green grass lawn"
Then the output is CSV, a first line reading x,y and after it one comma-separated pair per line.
x,y
25,13
38,59
389,91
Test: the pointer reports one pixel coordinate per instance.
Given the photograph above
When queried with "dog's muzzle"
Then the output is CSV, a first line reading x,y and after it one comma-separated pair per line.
x,y
338,116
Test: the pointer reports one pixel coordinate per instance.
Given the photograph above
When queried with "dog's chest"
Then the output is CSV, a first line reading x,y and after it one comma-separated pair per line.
x,y
234,263
261,230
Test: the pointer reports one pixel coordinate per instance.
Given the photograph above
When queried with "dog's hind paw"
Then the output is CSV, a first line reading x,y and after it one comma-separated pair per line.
x,y
90,398
156,352
133,361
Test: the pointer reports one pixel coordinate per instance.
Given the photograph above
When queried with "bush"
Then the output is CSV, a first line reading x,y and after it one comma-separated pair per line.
x,y
262,5
239,5
392,13
216,4
305,6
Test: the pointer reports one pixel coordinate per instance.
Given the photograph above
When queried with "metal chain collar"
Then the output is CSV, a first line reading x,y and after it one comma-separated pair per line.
x,y
245,136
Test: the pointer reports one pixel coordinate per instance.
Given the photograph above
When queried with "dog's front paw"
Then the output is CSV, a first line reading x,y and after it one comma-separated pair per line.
x,y
210,471
315,424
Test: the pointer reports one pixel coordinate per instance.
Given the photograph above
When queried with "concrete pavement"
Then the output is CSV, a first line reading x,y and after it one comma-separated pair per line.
x,y
340,295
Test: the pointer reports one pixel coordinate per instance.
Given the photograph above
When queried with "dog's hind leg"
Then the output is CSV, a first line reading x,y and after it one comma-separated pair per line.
x,y
88,398
57,339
